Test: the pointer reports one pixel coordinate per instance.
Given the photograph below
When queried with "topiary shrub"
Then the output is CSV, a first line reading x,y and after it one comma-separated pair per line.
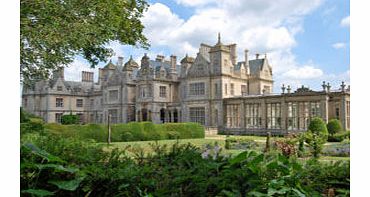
x,y
334,126
70,119
316,136
339,137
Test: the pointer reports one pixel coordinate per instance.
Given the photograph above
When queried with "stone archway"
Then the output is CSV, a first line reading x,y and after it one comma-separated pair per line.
x,y
144,114
162,115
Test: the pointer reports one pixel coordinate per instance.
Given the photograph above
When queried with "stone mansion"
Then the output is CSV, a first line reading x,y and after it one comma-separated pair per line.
x,y
213,89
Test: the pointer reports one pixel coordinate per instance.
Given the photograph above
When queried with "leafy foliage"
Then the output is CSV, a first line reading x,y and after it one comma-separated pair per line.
x,y
52,33
334,126
133,131
70,119
339,137
316,136
68,167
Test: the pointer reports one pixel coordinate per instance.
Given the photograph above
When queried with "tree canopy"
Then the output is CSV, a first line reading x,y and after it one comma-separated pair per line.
x,y
334,126
53,32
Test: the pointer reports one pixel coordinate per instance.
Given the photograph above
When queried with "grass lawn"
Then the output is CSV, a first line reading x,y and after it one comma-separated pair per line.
x,y
211,139
146,147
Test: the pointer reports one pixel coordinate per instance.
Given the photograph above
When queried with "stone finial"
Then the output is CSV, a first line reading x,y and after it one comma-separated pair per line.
x,y
343,86
289,89
219,38
257,55
265,55
283,89
348,88
328,86
324,86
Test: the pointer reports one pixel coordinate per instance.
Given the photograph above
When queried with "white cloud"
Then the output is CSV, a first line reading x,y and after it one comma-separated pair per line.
x,y
194,3
74,70
345,22
305,72
262,26
339,45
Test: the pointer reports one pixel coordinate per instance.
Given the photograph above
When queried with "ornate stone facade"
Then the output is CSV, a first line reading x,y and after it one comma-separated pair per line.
x,y
212,89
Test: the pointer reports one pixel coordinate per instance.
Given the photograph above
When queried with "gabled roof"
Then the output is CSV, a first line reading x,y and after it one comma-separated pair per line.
x,y
110,65
130,65
187,59
205,56
256,65
238,65
156,65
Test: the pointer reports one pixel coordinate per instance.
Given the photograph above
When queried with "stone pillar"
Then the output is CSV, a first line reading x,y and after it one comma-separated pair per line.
x,y
284,115
242,115
172,116
325,108
137,113
343,115
263,114
166,116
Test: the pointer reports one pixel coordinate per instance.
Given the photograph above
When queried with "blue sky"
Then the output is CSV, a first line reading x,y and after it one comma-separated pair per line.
x,y
306,42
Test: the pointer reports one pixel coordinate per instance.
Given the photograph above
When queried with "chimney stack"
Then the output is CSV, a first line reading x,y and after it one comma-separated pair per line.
x,y
173,62
246,57
233,54
159,58
87,76
120,61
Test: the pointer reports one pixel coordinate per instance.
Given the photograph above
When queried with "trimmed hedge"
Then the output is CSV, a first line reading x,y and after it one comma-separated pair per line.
x,y
338,137
133,131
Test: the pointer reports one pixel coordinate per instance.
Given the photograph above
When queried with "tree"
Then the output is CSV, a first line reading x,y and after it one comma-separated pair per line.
x,y
316,136
334,126
53,32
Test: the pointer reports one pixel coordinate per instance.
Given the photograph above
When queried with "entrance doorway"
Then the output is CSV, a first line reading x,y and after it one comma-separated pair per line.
x,y
162,114
144,113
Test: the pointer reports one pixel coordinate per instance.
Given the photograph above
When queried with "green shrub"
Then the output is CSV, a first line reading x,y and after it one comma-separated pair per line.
x,y
70,119
32,125
126,137
334,126
23,116
71,167
339,137
316,136
173,135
